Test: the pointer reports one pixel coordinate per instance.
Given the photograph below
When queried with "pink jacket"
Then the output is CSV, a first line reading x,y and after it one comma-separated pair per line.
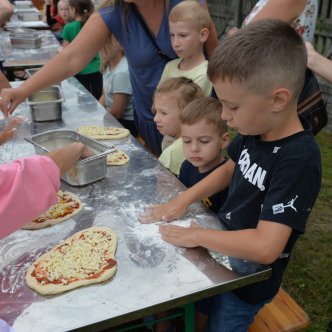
x,y
28,187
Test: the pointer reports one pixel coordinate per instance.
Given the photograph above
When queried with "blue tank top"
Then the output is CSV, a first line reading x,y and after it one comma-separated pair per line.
x,y
144,62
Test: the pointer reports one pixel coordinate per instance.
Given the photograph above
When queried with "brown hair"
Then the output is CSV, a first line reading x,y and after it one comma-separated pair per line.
x,y
262,56
192,12
183,90
204,108
111,42
82,7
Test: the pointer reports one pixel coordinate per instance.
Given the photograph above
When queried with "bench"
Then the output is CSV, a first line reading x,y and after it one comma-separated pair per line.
x,y
283,314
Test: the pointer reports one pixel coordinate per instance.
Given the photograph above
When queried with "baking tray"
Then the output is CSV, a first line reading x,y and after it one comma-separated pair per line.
x,y
23,4
31,71
46,104
25,42
85,171
23,32
28,16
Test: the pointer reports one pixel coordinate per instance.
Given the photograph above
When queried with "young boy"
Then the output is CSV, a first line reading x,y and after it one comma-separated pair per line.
x,y
169,100
189,25
204,136
274,171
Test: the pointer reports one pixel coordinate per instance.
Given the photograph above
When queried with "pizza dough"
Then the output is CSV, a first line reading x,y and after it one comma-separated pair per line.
x,y
68,205
117,158
100,132
85,258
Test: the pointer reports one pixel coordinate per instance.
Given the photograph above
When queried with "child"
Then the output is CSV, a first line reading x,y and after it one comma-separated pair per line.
x,y
117,92
189,25
274,171
10,129
29,186
61,16
204,136
170,98
90,77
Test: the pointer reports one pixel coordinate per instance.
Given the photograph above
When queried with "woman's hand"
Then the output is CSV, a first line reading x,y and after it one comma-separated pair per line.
x,y
10,99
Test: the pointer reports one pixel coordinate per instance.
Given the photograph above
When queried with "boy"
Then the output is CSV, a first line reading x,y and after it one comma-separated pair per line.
x,y
189,25
204,136
274,171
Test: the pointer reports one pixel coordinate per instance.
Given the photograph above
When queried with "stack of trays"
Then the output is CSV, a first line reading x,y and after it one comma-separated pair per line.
x,y
25,38
23,4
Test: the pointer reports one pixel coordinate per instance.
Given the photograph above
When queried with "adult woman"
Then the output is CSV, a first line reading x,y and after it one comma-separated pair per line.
x,y
301,14
144,60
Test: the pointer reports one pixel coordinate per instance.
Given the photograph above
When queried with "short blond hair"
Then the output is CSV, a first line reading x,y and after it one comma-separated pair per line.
x,y
183,91
204,108
191,11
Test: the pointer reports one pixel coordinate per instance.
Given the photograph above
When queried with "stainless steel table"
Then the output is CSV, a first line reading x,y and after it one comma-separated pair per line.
x,y
152,275
25,58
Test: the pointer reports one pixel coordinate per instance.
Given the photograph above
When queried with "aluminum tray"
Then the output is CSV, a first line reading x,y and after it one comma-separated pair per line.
x,y
46,105
25,42
85,171
23,32
28,16
31,71
23,4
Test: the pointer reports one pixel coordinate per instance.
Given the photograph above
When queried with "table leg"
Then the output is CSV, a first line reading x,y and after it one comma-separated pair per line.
x,y
189,317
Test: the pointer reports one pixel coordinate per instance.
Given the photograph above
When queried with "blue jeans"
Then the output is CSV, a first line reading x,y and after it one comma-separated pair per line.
x,y
228,313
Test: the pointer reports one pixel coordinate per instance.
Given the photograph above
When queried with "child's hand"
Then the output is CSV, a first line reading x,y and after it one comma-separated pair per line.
x,y
10,130
180,236
172,210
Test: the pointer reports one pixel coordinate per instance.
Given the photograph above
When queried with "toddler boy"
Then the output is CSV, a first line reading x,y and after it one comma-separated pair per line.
x,y
274,170
204,136
189,25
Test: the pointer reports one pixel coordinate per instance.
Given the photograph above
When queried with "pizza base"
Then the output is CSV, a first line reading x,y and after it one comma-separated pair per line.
x,y
39,225
117,158
99,132
52,289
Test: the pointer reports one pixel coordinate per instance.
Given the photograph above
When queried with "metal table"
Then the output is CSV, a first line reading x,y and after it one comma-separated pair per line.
x,y
152,275
27,58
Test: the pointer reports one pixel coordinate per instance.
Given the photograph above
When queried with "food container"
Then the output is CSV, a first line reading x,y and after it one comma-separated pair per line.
x,y
31,71
23,4
46,105
84,171
28,16
24,38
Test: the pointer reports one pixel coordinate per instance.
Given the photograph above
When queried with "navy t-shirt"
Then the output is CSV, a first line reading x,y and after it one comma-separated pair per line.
x,y
190,175
277,181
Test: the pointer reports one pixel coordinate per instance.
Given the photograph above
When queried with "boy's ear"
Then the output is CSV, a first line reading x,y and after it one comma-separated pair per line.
x,y
204,35
224,140
281,99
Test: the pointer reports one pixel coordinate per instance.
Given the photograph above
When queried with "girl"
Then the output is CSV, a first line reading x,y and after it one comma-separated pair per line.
x,y
170,98
59,16
117,91
90,77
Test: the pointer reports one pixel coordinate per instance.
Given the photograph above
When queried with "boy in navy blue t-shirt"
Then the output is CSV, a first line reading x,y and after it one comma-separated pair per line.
x,y
204,136
273,171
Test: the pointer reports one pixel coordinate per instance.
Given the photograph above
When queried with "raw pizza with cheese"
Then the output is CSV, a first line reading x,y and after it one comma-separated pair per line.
x,y
68,205
85,258
100,132
117,157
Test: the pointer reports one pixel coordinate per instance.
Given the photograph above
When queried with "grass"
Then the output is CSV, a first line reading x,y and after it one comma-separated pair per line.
x,y
308,278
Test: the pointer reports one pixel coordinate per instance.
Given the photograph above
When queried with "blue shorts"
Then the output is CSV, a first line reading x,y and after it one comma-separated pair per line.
x,y
228,313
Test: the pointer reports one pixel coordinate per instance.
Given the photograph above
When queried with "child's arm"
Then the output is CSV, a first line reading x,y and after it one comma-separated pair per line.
x,y
262,245
120,101
215,182
10,129
102,100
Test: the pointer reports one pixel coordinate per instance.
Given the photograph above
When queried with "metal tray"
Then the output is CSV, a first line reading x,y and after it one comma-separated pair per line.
x,y
31,71
84,171
23,4
23,32
46,104
28,16
25,43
